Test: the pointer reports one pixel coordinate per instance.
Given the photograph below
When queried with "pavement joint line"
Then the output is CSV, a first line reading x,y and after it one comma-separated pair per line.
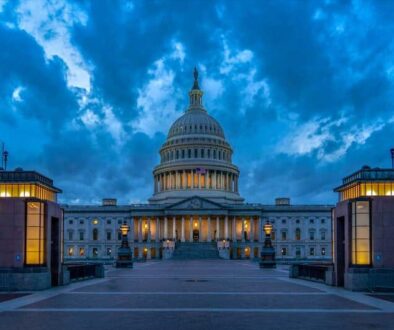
x,y
359,297
10,305
199,310
218,293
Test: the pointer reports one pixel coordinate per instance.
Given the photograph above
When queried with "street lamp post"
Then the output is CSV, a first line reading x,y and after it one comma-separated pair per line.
x,y
268,251
125,256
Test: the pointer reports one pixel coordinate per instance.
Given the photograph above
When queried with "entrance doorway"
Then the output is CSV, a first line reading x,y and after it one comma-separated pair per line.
x,y
55,251
340,251
196,235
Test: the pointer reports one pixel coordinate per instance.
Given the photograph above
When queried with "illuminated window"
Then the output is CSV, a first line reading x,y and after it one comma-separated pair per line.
x,y
35,234
26,190
70,251
284,251
81,252
95,252
361,233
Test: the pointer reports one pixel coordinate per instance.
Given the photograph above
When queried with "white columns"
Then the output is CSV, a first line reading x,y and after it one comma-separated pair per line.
x,y
199,229
157,229
191,229
192,174
251,229
183,229
149,228
217,229
260,229
174,228
209,229
139,229
234,229
199,180
165,228
243,229
226,227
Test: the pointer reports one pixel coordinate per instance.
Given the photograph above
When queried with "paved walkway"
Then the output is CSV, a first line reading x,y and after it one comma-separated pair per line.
x,y
196,294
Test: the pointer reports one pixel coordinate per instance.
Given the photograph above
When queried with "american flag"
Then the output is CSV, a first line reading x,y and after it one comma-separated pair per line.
x,y
200,170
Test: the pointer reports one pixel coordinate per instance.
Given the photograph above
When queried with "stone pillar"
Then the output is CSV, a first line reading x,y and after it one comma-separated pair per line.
x,y
173,227
226,227
140,229
199,180
149,228
157,230
217,228
199,228
209,229
183,229
165,228
260,229
251,229
243,229
214,179
191,229
234,229
131,229
192,174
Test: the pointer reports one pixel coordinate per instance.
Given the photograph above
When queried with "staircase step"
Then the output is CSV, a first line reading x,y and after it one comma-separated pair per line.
x,y
196,250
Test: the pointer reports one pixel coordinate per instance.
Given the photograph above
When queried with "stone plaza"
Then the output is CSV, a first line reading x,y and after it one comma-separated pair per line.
x,y
197,294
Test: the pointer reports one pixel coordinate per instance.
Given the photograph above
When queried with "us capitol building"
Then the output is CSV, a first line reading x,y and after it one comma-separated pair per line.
x,y
196,209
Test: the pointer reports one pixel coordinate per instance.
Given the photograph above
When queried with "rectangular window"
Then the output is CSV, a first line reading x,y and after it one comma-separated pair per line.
x,y
81,235
361,233
298,252
312,235
119,236
108,222
109,251
70,235
35,234
312,251
284,235
70,251
95,252
81,252
323,251
109,236
323,235
284,251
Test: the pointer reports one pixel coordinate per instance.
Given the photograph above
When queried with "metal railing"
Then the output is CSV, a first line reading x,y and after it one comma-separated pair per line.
x,y
316,272
81,271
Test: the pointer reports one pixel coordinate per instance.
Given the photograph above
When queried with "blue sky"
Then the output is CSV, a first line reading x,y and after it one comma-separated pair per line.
x,y
303,90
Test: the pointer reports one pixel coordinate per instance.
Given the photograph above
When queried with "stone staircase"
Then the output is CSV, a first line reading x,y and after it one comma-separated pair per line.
x,y
195,250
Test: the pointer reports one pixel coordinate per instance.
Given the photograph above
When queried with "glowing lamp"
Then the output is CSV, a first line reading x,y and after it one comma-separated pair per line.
x,y
195,224
124,229
268,228
146,226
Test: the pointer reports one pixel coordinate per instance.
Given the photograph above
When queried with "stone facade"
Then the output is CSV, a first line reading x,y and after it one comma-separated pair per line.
x,y
196,199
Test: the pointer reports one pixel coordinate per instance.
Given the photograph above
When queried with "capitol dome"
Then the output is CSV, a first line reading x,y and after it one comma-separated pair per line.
x,y
196,159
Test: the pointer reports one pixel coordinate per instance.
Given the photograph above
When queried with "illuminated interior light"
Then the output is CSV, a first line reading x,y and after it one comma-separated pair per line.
x,y
5,194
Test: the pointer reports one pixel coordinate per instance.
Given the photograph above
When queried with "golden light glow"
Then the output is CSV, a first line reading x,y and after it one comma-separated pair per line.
x,y
145,250
367,189
195,225
268,228
360,233
95,221
124,229
35,234
146,226
26,190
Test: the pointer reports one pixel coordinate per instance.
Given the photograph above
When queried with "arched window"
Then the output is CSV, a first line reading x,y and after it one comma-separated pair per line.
x,y
95,234
298,234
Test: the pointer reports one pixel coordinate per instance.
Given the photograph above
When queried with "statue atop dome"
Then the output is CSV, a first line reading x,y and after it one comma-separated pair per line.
x,y
196,93
195,74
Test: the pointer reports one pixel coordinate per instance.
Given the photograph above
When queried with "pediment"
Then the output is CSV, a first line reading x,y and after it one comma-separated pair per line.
x,y
195,203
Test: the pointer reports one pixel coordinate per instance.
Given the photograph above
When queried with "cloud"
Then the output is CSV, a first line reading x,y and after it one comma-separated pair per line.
x,y
49,23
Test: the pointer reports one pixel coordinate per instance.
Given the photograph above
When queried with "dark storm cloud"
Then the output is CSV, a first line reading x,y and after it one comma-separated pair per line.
x,y
318,73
